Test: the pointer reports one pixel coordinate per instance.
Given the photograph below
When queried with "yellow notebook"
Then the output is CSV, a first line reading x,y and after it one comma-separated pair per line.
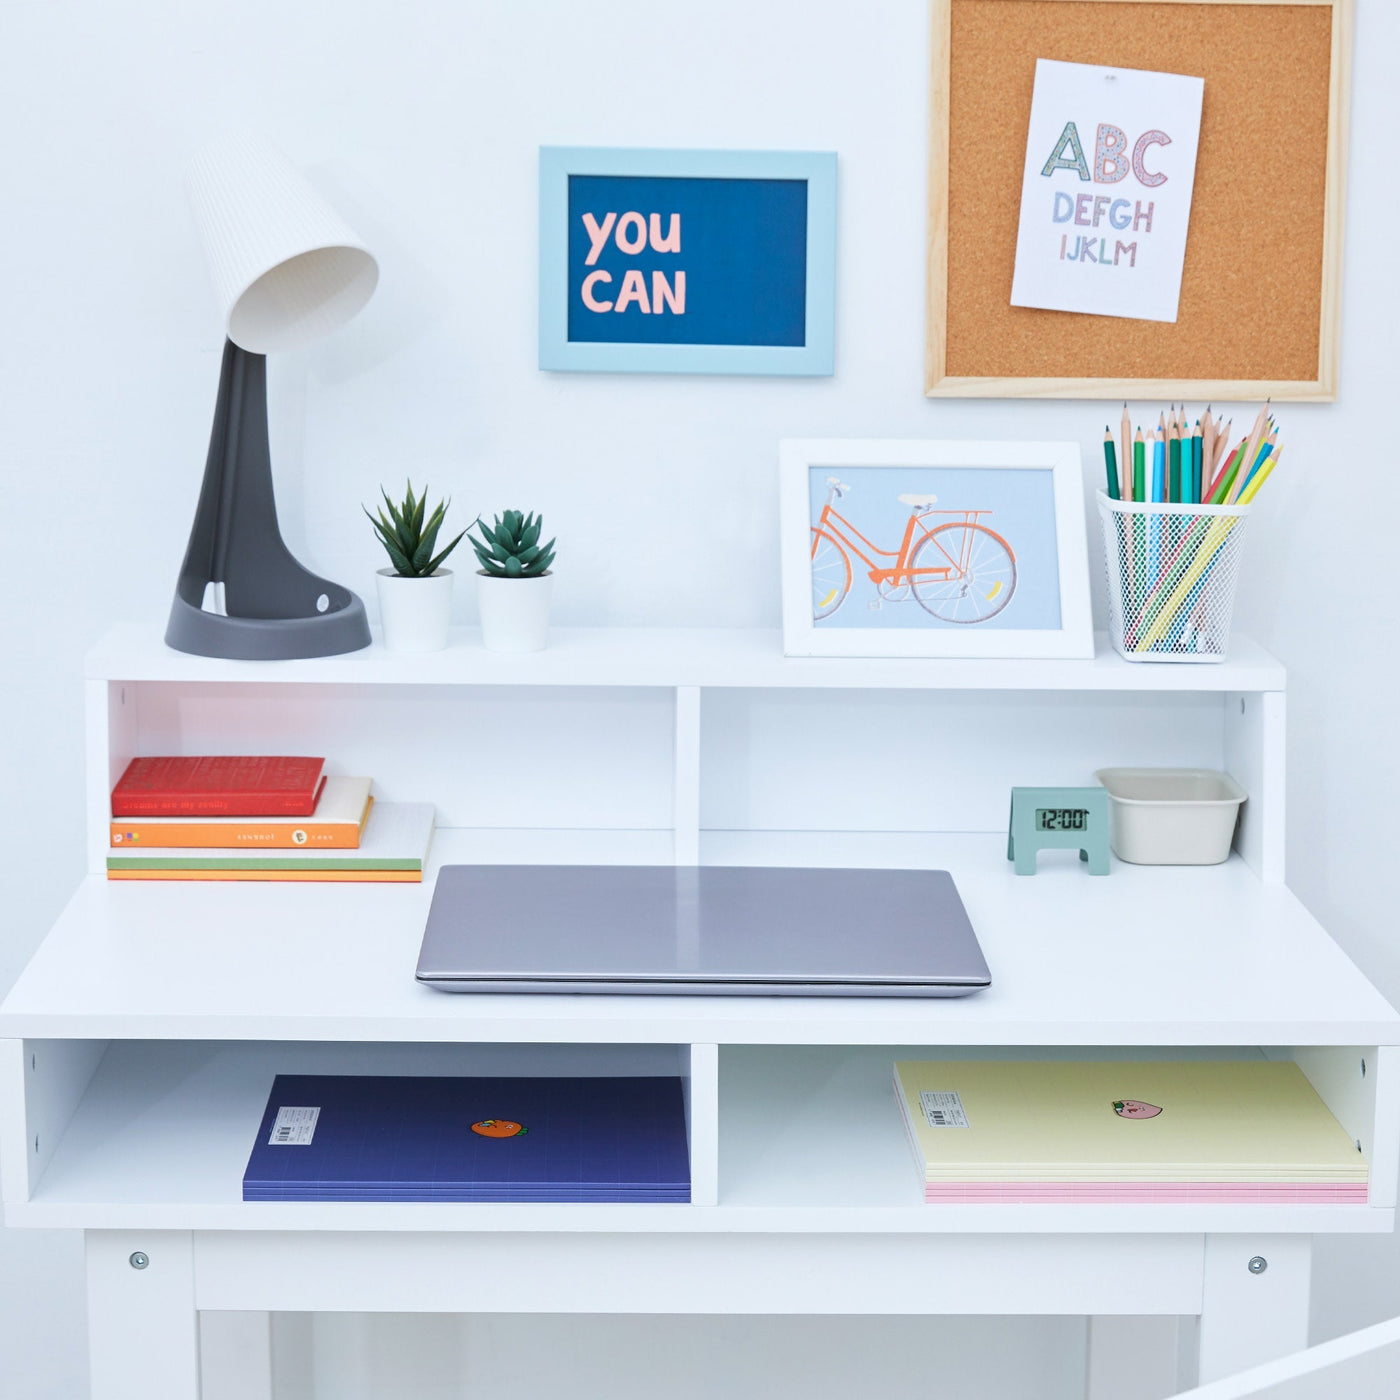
x,y
1140,1121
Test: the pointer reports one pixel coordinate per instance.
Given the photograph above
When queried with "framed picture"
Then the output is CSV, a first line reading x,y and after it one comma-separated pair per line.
x,y
687,262
912,548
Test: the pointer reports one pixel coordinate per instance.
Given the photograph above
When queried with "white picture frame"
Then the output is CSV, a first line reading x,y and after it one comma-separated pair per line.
x,y
959,593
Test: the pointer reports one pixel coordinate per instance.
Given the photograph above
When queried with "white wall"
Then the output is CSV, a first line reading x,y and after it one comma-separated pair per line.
x,y
422,120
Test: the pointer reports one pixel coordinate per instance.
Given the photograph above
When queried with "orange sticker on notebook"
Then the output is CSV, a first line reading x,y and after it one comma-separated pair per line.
x,y
498,1128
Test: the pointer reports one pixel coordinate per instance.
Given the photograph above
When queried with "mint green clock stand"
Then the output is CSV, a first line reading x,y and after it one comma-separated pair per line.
x,y
1062,818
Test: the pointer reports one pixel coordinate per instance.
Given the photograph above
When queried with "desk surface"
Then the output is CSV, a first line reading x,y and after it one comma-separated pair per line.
x,y
1145,956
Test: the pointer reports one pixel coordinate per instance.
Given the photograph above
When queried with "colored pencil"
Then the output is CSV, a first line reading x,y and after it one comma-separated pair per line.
x,y
1220,494
1125,435
1138,561
1197,454
1208,427
1159,492
1174,463
1222,446
1265,453
1110,465
1219,474
1259,478
1257,434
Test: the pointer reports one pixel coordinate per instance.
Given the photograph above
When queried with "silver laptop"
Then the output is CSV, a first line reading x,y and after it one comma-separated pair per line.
x,y
706,930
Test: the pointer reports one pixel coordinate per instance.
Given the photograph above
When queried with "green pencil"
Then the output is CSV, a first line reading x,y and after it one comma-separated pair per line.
x,y
1110,459
1227,477
1139,467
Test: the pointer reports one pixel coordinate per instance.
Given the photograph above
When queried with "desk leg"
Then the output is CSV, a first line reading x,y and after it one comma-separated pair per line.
x,y
1249,1318
143,1330
235,1355
1132,1358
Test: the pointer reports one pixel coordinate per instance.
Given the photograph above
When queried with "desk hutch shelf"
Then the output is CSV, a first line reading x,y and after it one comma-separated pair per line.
x,y
141,1041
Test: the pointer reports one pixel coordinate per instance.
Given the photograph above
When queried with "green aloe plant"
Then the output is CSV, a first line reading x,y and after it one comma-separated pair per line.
x,y
511,547
409,533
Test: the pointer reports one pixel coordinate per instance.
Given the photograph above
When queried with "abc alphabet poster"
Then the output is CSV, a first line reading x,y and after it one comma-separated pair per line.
x,y
1106,194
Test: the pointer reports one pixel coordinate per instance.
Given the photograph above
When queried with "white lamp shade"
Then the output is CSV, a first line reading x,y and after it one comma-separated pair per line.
x,y
287,268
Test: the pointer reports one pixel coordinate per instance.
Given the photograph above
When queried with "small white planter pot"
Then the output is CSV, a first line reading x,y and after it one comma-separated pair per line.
x,y
514,611
415,611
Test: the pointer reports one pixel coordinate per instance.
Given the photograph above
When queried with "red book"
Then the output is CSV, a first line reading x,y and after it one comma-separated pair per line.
x,y
225,785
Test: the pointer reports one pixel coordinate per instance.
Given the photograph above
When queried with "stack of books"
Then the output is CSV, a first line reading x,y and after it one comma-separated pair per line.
x,y
400,1138
1141,1132
260,818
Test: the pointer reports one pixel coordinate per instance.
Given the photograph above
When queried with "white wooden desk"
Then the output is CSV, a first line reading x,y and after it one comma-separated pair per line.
x,y
141,1041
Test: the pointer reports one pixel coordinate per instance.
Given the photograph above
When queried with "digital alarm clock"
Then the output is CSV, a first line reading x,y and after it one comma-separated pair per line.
x,y
1058,818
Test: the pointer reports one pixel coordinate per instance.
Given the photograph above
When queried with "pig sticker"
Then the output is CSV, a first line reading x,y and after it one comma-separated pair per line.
x,y
1135,1108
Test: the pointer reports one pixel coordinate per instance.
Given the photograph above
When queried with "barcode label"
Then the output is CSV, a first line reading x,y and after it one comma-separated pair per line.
x,y
943,1109
295,1127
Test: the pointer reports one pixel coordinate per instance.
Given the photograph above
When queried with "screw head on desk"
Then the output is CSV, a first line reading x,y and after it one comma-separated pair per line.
x,y
1258,1264
139,1260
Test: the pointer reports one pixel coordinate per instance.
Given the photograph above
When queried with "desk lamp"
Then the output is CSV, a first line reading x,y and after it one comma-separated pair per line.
x,y
286,270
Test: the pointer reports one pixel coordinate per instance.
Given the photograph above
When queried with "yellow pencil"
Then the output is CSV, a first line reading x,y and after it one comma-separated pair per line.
x,y
1260,477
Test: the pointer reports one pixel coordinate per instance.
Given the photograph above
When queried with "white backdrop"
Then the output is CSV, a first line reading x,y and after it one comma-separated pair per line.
x,y
421,120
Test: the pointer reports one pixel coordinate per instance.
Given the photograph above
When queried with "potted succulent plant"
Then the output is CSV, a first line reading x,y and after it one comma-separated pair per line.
x,y
415,594
514,582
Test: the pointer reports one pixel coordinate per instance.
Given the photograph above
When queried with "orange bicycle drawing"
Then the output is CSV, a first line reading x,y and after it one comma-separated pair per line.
x,y
960,570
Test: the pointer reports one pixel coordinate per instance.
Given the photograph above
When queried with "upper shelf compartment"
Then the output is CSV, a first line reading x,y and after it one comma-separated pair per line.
x,y
695,656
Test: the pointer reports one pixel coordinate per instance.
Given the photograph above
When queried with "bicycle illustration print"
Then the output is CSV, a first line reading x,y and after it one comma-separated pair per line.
x,y
957,569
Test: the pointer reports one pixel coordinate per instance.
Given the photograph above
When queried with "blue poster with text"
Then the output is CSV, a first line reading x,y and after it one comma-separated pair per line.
x,y
687,261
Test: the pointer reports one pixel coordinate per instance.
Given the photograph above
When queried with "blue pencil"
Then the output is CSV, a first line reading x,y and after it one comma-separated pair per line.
x,y
1258,462
1159,493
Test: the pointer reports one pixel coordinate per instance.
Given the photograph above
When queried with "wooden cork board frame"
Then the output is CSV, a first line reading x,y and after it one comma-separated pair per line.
x,y
1261,289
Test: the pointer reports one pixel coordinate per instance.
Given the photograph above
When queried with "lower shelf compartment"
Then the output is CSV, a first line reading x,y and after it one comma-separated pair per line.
x,y
808,1139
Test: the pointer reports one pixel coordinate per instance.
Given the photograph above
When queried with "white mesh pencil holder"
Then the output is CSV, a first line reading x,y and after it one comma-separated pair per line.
x,y
1171,578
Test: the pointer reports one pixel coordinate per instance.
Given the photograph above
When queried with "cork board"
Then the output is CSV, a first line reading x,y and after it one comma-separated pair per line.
x,y
1260,293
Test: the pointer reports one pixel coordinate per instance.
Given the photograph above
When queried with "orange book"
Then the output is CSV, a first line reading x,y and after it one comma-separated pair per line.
x,y
312,877
337,824
395,849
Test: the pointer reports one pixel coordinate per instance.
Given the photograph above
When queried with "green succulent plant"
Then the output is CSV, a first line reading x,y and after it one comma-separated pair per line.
x,y
409,533
511,547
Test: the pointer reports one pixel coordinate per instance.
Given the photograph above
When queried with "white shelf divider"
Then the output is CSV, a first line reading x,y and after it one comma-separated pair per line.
x,y
687,776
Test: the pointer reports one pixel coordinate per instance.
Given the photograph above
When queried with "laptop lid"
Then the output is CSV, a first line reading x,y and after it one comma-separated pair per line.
x,y
653,929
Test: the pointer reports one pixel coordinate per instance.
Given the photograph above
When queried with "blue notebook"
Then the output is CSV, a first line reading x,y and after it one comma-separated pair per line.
x,y
421,1138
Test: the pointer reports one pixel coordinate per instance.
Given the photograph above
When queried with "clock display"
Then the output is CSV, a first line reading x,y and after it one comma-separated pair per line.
x,y
1061,818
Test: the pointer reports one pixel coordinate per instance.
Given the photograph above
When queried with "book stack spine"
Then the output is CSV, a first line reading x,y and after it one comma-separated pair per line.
x,y
259,818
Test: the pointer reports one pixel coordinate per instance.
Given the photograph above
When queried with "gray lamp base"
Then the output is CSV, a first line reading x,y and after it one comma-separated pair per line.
x,y
267,639
241,592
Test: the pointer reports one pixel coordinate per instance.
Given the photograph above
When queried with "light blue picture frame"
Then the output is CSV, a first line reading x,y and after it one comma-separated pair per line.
x,y
558,352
